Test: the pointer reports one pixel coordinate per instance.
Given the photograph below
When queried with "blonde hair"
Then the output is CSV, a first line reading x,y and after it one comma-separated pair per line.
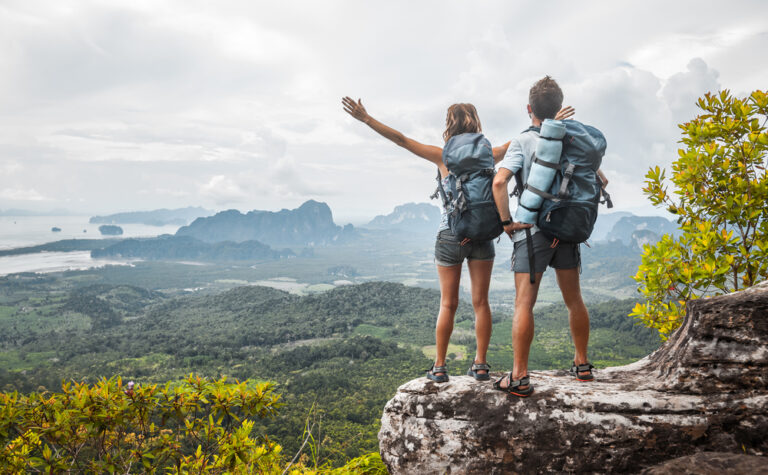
x,y
461,119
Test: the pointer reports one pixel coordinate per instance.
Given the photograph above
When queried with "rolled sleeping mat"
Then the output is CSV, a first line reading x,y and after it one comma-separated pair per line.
x,y
541,176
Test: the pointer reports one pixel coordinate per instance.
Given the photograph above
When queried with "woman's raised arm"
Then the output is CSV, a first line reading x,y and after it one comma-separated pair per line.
x,y
428,152
499,152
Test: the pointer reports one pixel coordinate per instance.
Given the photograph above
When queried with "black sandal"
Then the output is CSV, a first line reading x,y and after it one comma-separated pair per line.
x,y
576,369
473,371
438,378
514,385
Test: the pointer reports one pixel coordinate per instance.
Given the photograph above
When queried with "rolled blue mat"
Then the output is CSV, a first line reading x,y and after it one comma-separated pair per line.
x,y
540,176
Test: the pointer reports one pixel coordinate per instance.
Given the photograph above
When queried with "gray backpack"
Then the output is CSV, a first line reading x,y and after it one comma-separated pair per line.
x,y
469,198
569,208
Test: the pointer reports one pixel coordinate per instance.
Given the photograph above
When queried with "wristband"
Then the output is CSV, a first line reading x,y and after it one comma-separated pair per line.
x,y
506,222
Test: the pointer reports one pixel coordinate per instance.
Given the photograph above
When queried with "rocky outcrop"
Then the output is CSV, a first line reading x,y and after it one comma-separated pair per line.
x,y
706,389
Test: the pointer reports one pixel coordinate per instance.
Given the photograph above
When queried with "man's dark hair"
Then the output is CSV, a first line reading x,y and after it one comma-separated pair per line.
x,y
545,98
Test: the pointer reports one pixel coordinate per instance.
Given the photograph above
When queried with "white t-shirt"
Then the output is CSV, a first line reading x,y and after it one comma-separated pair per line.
x,y
520,155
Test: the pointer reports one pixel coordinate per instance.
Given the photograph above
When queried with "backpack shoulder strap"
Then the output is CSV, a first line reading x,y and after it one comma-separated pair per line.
x,y
606,197
440,191
519,183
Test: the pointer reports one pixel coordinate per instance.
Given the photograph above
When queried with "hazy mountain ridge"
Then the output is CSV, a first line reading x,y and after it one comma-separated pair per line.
x,y
634,231
415,217
309,225
158,217
605,223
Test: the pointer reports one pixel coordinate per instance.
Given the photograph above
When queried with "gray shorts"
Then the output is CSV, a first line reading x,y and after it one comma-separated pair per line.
x,y
562,256
450,252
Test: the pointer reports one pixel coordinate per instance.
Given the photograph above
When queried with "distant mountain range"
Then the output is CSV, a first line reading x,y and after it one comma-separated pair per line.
x,y
605,223
309,225
412,217
631,230
158,217
634,231
257,235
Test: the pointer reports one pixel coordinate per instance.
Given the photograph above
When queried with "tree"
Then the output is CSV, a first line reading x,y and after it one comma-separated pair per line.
x,y
719,194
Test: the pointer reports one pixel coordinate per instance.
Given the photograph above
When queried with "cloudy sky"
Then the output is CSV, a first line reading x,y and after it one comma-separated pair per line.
x,y
115,105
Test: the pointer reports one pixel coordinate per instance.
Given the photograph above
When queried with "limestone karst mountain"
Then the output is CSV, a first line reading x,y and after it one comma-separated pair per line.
x,y
412,217
311,224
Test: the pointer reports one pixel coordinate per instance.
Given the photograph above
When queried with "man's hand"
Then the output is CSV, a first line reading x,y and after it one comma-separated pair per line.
x,y
512,227
565,113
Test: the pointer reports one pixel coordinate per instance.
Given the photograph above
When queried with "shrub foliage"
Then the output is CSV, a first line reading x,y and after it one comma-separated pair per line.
x,y
719,191
196,425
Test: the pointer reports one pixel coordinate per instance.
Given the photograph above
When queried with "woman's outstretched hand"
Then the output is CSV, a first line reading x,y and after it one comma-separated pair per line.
x,y
355,109
565,113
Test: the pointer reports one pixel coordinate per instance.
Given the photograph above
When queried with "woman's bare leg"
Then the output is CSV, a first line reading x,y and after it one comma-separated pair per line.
x,y
449,277
480,275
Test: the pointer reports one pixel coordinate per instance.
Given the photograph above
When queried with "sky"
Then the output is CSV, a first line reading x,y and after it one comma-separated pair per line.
x,y
115,105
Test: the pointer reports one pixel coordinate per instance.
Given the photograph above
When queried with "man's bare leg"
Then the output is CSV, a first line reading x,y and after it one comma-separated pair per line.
x,y
522,324
578,316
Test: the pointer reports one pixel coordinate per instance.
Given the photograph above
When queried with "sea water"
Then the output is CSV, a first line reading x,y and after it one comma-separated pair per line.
x,y
26,231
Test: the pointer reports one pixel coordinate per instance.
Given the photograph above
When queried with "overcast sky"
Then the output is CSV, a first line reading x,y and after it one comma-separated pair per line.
x,y
109,106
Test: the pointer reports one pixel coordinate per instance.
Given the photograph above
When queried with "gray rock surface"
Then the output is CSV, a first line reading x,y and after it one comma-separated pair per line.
x,y
706,389
712,463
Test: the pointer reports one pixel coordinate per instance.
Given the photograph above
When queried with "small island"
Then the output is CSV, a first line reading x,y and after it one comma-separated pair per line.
x,y
55,229
110,230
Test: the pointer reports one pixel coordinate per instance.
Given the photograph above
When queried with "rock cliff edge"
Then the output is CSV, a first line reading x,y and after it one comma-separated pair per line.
x,y
704,390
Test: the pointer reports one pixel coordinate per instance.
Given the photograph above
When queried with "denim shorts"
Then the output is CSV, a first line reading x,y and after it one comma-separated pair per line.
x,y
561,256
450,252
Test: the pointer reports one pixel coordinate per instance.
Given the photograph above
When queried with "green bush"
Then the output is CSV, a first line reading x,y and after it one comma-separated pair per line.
x,y
195,425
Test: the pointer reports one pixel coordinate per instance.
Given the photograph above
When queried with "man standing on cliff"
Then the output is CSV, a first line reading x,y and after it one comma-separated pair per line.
x,y
544,101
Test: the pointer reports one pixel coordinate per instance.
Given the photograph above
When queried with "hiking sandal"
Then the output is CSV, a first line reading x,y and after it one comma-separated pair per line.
x,y
438,378
514,385
576,369
473,371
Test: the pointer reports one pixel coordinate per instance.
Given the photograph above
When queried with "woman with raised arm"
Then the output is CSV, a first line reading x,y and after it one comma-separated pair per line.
x,y
450,251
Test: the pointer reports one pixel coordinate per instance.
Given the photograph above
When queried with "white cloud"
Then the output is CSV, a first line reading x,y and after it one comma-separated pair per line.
x,y
145,104
670,53
683,89
223,190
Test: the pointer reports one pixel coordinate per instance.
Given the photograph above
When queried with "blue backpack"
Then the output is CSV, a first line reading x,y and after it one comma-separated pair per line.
x,y
469,200
569,208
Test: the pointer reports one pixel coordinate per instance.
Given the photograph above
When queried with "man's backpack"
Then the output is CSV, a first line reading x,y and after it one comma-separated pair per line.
x,y
568,210
468,198
569,207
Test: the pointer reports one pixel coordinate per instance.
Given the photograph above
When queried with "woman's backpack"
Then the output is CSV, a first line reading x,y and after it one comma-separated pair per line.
x,y
469,200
